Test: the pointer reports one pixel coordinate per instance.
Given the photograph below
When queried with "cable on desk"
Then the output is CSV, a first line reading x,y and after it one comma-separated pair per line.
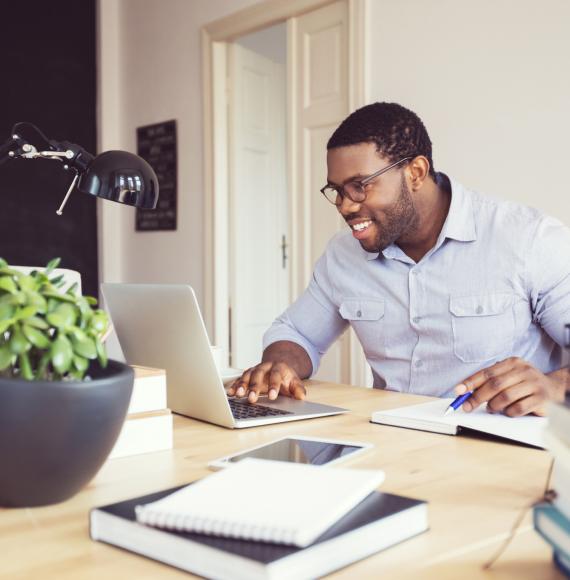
x,y
548,496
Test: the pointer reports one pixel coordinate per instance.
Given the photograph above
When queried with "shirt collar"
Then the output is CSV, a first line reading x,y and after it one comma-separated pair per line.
x,y
459,224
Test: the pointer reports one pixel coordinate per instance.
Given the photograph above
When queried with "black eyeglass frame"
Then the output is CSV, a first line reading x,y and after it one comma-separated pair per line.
x,y
342,193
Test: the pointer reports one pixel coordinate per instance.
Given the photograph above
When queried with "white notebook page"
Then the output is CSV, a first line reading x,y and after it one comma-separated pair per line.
x,y
526,429
264,500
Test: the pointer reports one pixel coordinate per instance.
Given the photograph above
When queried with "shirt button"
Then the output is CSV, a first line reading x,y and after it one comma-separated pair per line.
x,y
415,272
479,309
419,363
359,313
416,319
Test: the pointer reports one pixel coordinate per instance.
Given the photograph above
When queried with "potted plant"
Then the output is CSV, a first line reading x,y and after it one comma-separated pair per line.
x,y
62,402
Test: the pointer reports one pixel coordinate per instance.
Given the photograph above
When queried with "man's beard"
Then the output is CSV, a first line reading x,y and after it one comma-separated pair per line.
x,y
400,218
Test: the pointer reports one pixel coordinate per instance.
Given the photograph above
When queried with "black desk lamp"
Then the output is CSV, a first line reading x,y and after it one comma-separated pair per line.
x,y
115,175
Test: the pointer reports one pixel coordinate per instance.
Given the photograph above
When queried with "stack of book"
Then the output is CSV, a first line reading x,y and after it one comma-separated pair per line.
x,y
302,521
552,519
148,426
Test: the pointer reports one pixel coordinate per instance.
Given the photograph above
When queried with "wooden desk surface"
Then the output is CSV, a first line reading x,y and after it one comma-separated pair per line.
x,y
475,489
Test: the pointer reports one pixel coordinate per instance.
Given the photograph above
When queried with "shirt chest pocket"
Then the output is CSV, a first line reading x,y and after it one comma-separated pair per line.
x,y
483,326
366,316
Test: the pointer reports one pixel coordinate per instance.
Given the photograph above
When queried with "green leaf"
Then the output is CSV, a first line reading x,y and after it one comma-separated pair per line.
x,y
8,284
73,289
52,265
85,309
3,263
19,298
5,325
25,367
101,352
37,322
26,312
61,354
18,342
78,334
58,281
64,316
36,299
85,348
6,357
36,337
41,371
10,271
99,322
90,300
80,363
27,283
61,297
6,311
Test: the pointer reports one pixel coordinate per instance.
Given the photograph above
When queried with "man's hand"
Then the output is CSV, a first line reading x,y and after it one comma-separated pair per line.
x,y
274,378
513,387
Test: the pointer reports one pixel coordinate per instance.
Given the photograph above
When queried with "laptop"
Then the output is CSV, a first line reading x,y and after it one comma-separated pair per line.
x,y
160,325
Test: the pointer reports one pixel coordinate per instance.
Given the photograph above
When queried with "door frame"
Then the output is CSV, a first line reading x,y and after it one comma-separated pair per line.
x,y
215,37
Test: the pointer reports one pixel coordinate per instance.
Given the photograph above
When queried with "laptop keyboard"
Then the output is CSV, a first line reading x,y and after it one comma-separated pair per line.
x,y
245,410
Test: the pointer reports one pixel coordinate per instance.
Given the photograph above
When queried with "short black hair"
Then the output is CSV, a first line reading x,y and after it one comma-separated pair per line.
x,y
396,131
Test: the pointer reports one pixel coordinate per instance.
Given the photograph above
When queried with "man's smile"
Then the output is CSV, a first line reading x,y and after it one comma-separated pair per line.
x,y
360,228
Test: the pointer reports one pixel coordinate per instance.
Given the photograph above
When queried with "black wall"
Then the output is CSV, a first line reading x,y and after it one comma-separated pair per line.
x,y
48,77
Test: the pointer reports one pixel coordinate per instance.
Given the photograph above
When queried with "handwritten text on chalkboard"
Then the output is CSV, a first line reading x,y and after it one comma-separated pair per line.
x,y
157,145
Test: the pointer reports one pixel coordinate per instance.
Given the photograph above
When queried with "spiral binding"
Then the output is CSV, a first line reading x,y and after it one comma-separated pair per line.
x,y
216,527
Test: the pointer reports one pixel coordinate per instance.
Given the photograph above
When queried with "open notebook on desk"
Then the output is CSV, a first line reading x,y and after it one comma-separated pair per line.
x,y
430,417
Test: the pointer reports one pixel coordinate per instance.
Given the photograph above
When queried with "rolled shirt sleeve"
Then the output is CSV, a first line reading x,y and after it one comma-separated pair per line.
x,y
312,321
548,271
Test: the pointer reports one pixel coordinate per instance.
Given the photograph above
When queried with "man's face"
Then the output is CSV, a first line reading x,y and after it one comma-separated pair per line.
x,y
388,211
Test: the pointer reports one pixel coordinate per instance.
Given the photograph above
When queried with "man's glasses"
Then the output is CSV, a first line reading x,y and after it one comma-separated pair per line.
x,y
354,190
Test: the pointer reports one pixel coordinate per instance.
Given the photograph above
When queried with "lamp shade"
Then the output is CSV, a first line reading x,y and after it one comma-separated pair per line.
x,y
121,176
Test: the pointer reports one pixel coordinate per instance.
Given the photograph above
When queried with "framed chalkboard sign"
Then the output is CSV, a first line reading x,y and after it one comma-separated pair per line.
x,y
157,145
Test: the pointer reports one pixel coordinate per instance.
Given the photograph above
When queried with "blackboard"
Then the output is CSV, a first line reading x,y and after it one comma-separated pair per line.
x,y
157,145
49,79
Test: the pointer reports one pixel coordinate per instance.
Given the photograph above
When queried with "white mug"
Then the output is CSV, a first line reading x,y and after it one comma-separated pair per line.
x,y
218,354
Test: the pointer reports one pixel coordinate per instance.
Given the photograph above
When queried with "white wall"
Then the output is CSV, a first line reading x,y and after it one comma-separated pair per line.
x,y
490,81
150,71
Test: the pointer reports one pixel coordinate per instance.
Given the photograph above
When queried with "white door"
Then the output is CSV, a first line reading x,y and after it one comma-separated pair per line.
x,y
318,53
259,268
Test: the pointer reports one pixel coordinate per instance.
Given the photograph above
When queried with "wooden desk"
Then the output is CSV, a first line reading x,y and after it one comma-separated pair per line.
x,y
475,489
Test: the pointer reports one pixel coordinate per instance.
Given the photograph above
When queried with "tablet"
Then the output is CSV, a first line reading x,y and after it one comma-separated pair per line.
x,y
298,449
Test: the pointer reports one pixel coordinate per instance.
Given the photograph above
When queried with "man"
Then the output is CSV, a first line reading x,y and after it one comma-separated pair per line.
x,y
447,290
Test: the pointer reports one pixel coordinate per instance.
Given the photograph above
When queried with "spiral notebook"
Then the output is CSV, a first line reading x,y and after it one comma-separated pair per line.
x,y
262,500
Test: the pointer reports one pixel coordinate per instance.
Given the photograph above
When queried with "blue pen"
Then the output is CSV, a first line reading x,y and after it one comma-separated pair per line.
x,y
458,401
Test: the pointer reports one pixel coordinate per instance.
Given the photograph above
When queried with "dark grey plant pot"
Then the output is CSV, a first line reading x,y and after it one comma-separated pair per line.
x,y
54,436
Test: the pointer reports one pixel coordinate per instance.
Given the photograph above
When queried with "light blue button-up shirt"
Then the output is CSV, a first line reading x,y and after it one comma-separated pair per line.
x,y
496,284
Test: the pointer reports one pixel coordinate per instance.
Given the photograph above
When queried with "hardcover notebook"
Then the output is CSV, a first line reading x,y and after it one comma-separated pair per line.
x,y
378,522
290,503
430,417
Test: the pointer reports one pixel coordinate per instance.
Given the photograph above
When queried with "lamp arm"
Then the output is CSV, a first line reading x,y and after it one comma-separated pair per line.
x,y
75,157
6,148
18,146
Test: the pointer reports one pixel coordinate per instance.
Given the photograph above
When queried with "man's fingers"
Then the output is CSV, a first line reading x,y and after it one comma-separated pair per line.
x,y
294,388
298,390
257,383
532,404
494,385
239,387
509,396
481,377
268,377
275,382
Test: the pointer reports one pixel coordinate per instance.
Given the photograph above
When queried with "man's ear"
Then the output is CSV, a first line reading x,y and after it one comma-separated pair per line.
x,y
418,171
